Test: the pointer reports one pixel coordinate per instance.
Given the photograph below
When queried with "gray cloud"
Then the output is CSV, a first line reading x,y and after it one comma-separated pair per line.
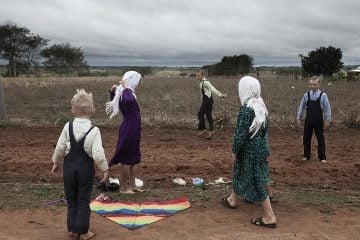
x,y
169,32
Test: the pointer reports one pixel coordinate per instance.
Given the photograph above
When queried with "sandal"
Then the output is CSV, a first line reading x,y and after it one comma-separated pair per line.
x,y
225,201
273,199
260,222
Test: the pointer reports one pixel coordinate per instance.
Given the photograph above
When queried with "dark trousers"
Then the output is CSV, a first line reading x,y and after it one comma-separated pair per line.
x,y
78,184
318,127
206,110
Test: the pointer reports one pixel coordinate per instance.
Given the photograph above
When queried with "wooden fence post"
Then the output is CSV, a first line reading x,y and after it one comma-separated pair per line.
x,y
2,102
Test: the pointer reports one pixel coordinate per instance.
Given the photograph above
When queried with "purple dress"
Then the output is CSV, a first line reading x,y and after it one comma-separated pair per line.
x,y
128,146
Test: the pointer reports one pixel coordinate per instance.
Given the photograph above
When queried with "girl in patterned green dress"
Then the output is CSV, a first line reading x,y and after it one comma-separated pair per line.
x,y
251,151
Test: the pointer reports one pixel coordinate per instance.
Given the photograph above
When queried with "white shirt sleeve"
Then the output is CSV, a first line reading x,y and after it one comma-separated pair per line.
x,y
60,149
95,149
92,145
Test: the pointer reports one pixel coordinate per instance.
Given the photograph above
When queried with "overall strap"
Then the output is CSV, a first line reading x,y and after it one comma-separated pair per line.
x,y
309,96
83,138
320,96
71,134
202,85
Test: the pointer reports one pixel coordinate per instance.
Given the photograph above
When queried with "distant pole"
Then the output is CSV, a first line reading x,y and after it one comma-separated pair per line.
x,y
2,102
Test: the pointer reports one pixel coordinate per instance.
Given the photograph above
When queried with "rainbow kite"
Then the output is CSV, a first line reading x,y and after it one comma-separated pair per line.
x,y
134,215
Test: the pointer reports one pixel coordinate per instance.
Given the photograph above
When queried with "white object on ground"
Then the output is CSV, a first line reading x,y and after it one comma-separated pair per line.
x,y
220,180
179,181
114,180
139,183
197,181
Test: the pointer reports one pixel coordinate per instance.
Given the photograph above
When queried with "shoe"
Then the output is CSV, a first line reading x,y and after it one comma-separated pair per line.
x,y
323,161
304,159
98,184
260,222
225,201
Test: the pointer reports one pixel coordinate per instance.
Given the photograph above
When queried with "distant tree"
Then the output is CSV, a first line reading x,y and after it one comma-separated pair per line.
x,y
245,63
64,59
323,60
143,70
31,53
231,65
19,47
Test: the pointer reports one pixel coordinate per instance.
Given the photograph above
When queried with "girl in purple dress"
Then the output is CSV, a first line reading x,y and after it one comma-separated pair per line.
x,y
127,151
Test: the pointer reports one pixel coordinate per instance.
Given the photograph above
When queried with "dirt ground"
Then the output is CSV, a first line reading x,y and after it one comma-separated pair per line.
x,y
25,156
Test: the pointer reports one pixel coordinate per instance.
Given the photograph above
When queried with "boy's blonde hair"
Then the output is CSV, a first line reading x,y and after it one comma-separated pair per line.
x,y
82,103
315,78
202,72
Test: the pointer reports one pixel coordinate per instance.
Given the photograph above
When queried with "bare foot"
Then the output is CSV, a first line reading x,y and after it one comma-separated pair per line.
x,y
74,235
210,134
127,192
201,133
87,236
136,189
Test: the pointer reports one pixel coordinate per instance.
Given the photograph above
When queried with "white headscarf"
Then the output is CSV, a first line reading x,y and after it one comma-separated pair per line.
x,y
249,93
133,79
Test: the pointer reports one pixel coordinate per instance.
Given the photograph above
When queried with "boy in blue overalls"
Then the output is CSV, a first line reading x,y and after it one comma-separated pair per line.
x,y
318,118
80,146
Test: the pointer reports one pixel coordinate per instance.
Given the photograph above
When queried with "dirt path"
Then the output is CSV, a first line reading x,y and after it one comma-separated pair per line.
x,y
198,222
25,155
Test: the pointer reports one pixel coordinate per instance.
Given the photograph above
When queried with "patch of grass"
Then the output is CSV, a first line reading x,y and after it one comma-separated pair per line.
x,y
17,196
28,196
36,195
4,124
324,194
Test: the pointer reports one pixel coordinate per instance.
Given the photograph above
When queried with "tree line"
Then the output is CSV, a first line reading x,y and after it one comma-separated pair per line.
x,y
23,50
231,65
322,61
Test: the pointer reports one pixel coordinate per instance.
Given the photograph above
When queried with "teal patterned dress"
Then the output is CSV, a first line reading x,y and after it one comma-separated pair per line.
x,y
251,170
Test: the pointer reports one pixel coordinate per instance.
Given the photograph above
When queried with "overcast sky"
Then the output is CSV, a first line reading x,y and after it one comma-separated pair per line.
x,y
192,33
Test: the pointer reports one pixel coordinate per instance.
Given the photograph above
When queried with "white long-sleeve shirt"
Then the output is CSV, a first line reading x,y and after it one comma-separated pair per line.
x,y
92,145
209,88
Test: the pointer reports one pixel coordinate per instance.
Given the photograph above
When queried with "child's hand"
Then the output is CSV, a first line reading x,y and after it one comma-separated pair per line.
x,y
327,125
113,88
223,96
105,176
55,169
